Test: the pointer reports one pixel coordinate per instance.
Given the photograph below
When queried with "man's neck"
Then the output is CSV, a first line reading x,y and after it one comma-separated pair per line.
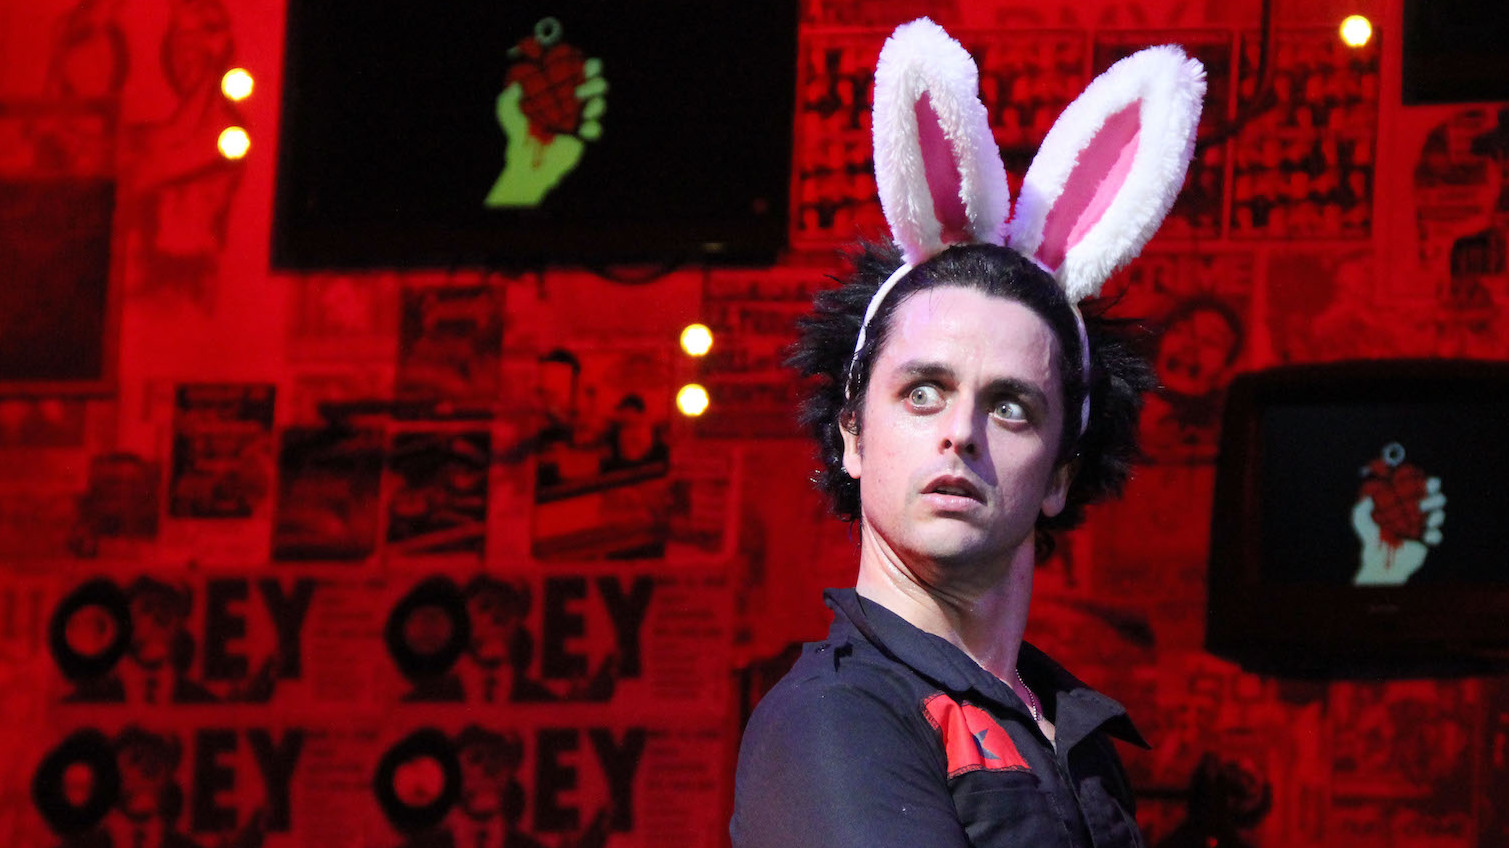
x,y
981,610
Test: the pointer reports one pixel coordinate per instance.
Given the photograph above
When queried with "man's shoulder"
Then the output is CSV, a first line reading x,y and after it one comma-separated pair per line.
x,y
838,703
837,681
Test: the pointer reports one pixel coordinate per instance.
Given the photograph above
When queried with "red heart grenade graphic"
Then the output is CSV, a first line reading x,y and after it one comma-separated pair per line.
x,y
549,71
1396,488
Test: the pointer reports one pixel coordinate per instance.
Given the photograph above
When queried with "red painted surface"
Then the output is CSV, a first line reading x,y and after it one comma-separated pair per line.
x,y
219,605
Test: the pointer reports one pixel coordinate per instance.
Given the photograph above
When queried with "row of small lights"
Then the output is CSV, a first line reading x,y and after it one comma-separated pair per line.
x,y
234,142
236,85
691,399
696,339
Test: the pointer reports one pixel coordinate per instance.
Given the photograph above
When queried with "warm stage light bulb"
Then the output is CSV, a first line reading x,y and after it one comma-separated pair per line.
x,y
1356,30
236,84
234,142
696,339
691,400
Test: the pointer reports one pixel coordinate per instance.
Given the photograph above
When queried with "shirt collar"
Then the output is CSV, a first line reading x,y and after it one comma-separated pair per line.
x,y
1079,710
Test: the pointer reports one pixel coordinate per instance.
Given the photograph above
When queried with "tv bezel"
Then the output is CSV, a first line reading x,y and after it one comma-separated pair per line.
x,y
304,240
1318,630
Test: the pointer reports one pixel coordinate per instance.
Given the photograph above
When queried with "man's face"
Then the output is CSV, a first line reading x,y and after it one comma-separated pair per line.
x,y
1194,354
143,775
492,624
484,776
961,426
154,622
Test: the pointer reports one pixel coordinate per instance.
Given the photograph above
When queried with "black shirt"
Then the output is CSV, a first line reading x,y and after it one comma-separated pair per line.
x,y
884,735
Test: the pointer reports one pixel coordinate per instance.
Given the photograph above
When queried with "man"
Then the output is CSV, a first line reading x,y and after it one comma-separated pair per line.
x,y
964,407
492,801
924,719
496,665
162,649
151,800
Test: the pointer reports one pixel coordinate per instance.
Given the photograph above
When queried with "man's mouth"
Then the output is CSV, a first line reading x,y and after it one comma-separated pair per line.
x,y
955,487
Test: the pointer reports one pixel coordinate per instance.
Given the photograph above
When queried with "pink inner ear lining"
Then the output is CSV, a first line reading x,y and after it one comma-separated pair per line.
x,y
942,170
1098,175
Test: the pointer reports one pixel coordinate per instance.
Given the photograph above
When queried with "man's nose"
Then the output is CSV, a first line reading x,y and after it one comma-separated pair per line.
x,y
961,428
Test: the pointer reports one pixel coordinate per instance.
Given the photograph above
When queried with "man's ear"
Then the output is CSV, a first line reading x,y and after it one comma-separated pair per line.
x,y
1057,496
850,430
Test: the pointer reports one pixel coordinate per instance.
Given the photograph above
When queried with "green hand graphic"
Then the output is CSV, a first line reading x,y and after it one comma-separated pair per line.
x,y
1385,564
537,162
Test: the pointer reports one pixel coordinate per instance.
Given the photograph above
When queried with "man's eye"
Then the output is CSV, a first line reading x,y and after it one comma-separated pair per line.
x,y
1011,410
924,397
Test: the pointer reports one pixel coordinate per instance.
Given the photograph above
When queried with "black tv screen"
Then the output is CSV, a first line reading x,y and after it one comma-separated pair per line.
x,y
1454,52
508,134
1361,521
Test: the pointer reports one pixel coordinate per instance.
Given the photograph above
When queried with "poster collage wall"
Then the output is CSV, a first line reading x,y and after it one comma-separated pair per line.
x,y
417,559
412,584
396,620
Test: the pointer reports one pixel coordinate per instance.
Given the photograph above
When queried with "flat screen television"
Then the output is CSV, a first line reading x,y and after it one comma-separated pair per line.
x,y
1454,52
522,134
1331,552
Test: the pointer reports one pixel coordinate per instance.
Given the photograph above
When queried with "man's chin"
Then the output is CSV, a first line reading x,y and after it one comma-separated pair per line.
x,y
958,543
951,551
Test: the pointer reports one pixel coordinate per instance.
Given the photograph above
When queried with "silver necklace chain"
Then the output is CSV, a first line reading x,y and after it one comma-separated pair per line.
x,y
1031,698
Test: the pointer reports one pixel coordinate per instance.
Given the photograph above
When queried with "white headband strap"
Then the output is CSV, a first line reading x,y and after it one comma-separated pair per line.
x,y
875,301
1084,365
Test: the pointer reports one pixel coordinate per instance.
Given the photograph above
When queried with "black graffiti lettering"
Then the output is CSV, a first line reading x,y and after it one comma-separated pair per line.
x,y
212,777
554,779
221,626
556,776
620,762
560,625
288,613
215,777
628,614
276,762
225,623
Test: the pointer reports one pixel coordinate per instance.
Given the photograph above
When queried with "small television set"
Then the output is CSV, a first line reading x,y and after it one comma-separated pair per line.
x,y
526,134
1454,52
1332,553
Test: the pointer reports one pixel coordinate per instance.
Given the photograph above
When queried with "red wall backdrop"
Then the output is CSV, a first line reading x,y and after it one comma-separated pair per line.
x,y
245,597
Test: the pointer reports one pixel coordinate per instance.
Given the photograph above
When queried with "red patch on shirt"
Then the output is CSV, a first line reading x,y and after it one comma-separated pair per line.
x,y
972,740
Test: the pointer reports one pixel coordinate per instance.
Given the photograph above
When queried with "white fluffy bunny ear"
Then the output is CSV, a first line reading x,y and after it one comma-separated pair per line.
x,y
937,167
1110,168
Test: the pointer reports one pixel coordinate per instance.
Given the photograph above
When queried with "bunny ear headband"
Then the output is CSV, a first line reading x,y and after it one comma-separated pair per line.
x,y
1102,182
